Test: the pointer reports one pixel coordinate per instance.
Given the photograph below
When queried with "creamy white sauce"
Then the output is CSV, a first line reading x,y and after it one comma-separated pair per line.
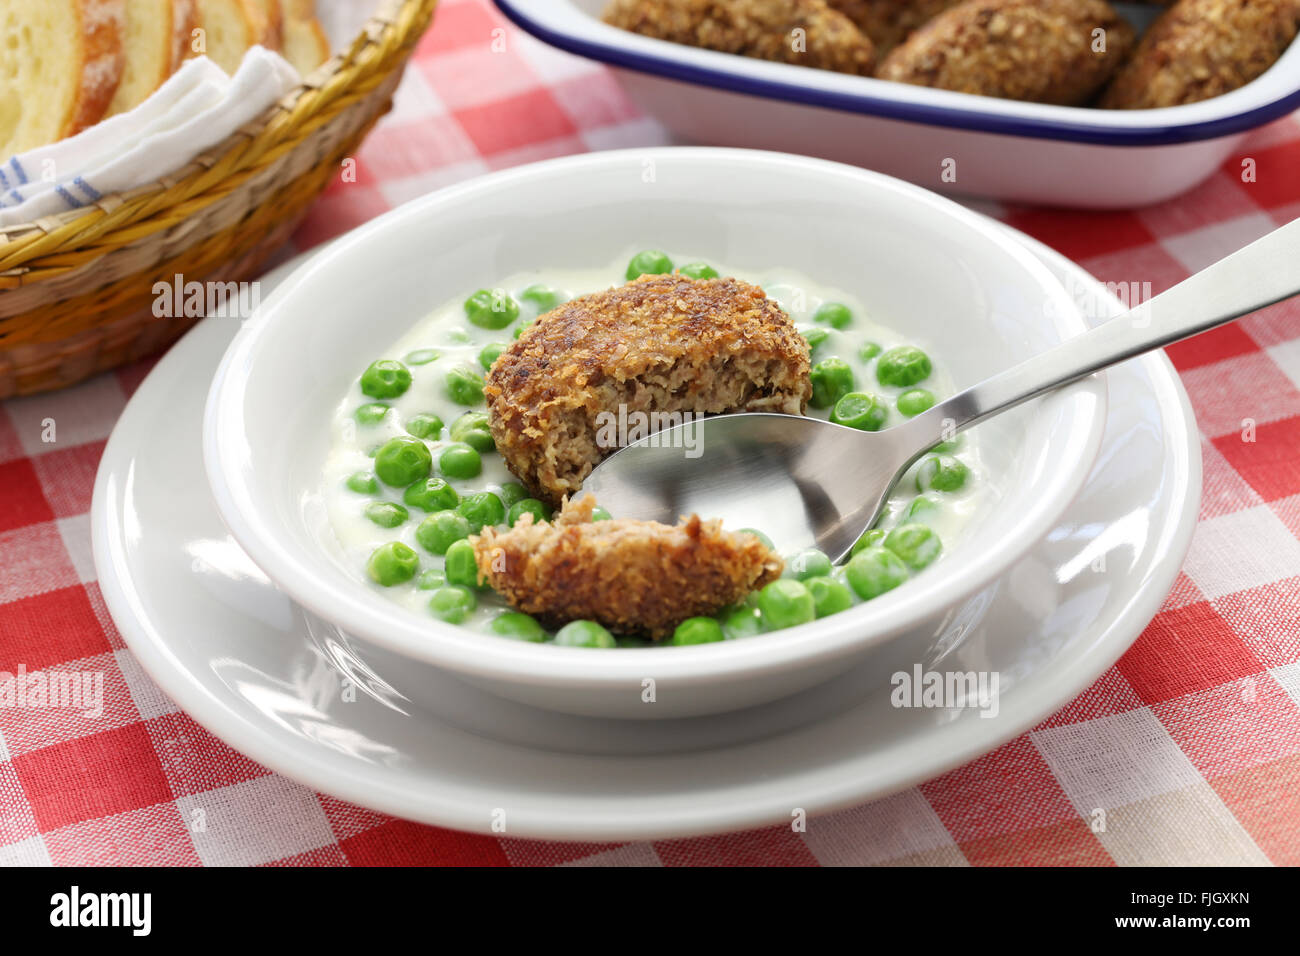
x,y
457,341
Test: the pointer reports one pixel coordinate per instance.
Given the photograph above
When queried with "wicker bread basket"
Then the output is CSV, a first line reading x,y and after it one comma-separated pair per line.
x,y
76,290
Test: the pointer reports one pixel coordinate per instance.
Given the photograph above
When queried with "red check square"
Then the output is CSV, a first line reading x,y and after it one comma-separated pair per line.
x,y
515,122
83,779
1008,790
24,502
1271,463
1223,342
49,628
1276,182
1183,651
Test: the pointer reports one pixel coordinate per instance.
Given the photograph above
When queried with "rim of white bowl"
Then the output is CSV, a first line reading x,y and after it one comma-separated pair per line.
x,y
388,625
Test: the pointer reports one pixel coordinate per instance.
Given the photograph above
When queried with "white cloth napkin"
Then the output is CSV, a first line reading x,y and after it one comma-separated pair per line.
x,y
195,109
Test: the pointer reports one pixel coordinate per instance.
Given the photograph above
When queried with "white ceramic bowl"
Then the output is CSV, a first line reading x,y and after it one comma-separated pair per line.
x,y
1034,152
948,277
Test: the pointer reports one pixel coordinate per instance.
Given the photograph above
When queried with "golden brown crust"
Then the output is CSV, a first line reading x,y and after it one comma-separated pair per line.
x,y
889,22
103,26
185,19
633,577
1042,51
663,343
764,29
1203,48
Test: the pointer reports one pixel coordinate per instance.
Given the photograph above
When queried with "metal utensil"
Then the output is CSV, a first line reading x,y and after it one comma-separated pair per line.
x,y
806,481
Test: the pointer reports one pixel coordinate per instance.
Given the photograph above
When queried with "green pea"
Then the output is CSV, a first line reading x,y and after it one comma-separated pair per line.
x,y
767,542
431,579
421,357
452,604
544,297
868,351
431,494
385,379
440,530
874,571
386,514
869,539
650,262
460,461
829,596
600,514
942,473
511,492
697,630
741,622
815,338
834,314
530,506
363,483
952,444
472,428
808,563
861,411
522,327
372,413
392,563
424,426
520,627
923,508
461,568
584,634
464,385
916,544
491,309
490,353
698,270
401,461
832,379
481,509
915,401
903,366
785,603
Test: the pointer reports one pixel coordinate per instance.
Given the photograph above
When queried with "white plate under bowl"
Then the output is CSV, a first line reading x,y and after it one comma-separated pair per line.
x,y
266,678
955,281
952,142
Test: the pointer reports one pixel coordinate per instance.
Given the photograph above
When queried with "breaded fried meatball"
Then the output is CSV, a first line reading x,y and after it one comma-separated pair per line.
x,y
888,23
633,577
1036,50
1203,48
660,344
763,29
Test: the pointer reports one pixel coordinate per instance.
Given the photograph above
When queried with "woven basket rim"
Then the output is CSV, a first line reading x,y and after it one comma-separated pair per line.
x,y
387,16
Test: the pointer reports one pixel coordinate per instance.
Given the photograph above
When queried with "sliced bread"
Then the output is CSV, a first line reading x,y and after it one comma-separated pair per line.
x,y
60,65
305,43
185,20
228,30
149,42
268,23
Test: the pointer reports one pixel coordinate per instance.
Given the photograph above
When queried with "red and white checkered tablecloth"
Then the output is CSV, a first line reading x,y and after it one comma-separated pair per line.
x,y
1200,772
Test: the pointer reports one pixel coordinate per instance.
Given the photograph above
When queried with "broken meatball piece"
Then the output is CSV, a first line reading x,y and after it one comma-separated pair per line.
x,y
633,577
660,344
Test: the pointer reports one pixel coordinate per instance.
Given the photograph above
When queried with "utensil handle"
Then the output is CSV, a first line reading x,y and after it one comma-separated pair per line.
x,y
1264,272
